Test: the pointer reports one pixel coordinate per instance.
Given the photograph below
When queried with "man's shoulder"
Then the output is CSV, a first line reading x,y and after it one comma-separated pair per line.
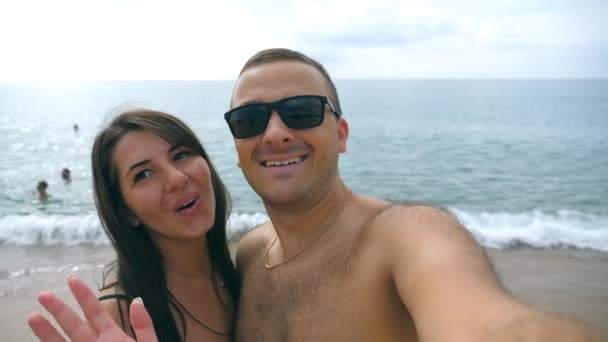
x,y
415,225
420,214
260,234
410,215
254,242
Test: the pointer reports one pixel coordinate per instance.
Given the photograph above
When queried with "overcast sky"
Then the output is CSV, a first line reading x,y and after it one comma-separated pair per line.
x,y
179,39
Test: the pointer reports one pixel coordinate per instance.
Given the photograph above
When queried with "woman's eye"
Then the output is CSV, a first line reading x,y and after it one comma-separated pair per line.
x,y
181,155
141,175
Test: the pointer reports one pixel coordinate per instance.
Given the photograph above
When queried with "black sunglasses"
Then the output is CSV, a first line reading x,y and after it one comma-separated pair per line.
x,y
297,112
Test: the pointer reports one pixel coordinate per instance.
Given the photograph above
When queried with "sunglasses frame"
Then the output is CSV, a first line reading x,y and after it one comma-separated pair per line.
x,y
274,106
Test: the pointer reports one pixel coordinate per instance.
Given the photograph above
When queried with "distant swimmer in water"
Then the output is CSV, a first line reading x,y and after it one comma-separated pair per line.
x,y
42,194
75,128
66,174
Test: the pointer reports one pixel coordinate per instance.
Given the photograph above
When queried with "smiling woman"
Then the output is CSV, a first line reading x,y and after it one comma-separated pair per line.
x,y
164,208
153,176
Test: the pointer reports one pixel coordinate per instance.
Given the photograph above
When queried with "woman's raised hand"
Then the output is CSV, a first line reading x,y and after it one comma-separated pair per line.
x,y
100,327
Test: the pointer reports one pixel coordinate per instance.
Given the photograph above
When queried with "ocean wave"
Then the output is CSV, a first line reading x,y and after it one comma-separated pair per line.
x,y
562,229
537,229
40,229
26,272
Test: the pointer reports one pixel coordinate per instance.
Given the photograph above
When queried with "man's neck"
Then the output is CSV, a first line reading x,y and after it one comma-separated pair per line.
x,y
299,227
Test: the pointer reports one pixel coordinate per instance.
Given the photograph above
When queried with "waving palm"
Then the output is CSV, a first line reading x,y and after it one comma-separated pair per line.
x,y
101,326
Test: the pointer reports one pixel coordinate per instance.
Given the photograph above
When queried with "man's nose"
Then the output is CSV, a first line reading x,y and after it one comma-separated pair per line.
x,y
276,133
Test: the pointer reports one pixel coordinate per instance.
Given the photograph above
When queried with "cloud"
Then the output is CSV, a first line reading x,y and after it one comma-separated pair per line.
x,y
189,39
379,35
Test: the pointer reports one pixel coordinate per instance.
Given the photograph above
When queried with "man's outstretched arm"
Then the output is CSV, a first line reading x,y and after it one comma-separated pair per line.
x,y
448,284
100,327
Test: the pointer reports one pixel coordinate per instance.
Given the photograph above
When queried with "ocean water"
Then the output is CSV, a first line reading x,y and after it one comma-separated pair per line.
x,y
519,162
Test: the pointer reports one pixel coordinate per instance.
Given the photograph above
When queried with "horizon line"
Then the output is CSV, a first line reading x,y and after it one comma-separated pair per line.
x,y
70,81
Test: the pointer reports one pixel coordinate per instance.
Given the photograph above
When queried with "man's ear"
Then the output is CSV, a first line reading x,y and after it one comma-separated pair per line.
x,y
342,134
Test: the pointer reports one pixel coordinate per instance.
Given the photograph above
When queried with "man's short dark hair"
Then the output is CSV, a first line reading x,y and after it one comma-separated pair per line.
x,y
282,54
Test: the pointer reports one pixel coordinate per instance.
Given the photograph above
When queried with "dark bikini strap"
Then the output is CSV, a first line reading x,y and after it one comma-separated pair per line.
x,y
118,297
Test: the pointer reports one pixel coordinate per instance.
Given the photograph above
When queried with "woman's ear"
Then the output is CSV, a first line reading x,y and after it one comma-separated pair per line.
x,y
133,220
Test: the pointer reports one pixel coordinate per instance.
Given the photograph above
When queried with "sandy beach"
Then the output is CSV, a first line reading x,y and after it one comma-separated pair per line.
x,y
570,282
573,283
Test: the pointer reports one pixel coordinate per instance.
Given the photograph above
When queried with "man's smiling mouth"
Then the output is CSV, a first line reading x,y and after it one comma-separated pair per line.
x,y
295,160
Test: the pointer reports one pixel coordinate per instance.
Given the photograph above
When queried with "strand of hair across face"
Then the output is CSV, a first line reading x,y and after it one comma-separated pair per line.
x,y
321,233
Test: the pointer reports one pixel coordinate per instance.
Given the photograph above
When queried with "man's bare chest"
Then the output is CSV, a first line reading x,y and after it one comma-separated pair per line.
x,y
319,297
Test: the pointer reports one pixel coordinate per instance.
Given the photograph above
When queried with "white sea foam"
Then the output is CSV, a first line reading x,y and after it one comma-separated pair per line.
x,y
41,229
563,229
25,272
51,229
239,224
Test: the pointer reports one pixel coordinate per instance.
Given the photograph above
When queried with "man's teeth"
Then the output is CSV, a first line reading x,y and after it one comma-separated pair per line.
x,y
271,163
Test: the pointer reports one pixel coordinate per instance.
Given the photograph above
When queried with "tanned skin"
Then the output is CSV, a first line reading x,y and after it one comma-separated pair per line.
x,y
380,272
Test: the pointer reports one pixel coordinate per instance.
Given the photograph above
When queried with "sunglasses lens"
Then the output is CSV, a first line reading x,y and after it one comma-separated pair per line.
x,y
302,112
299,112
248,121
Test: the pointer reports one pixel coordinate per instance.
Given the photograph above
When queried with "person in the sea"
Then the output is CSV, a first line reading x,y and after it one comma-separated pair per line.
x,y
164,209
66,175
332,264
42,186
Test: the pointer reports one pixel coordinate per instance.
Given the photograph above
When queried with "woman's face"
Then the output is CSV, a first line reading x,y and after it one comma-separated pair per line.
x,y
168,188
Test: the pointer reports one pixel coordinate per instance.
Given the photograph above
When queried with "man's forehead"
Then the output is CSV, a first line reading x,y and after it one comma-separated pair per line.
x,y
272,81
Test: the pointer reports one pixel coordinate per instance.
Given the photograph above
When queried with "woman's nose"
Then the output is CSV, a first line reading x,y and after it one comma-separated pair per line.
x,y
176,179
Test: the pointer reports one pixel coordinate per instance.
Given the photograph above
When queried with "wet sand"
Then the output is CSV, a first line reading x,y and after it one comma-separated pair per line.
x,y
573,283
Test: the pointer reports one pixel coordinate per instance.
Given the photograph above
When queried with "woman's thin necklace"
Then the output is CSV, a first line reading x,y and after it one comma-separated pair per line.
x,y
321,233
196,319
192,275
195,275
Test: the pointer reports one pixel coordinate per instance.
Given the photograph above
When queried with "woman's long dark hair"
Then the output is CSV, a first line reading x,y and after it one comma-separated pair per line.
x,y
139,270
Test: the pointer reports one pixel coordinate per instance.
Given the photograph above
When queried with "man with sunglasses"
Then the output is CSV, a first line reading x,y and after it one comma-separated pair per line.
x,y
337,266
332,265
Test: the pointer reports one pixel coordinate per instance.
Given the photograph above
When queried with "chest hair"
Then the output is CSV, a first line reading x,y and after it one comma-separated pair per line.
x,y
299,299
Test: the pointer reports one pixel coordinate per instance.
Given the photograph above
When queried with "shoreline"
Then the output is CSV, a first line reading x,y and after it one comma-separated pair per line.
x,y
573,283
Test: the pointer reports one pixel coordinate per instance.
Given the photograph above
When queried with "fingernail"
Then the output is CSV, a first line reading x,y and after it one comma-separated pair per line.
x,y
139,300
